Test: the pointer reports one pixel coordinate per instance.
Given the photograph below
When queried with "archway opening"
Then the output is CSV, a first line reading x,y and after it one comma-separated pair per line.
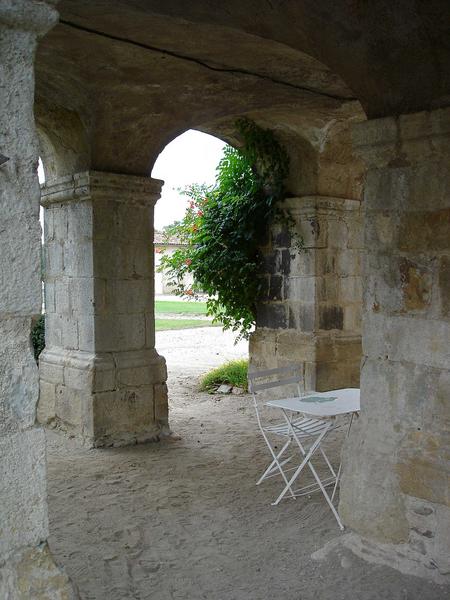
x,y
192,344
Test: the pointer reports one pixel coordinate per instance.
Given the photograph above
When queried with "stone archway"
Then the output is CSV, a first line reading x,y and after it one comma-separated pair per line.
x,y
127,73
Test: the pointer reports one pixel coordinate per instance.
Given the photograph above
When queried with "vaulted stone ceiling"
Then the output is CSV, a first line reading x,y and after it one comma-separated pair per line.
x,y
116,81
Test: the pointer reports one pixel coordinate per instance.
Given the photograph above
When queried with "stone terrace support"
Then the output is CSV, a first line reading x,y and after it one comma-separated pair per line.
x,y
101,377
396,479
27,569
310,311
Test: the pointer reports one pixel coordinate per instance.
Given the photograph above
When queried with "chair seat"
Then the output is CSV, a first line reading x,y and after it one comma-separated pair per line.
x,y
304,427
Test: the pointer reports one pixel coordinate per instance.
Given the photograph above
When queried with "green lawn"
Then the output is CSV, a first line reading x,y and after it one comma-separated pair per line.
x,y
165,324
180,308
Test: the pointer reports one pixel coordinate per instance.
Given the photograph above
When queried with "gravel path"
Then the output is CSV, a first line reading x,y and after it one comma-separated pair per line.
x,y
183,519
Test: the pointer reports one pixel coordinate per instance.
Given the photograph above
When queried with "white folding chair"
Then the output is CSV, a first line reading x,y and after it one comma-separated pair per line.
x,y
302,427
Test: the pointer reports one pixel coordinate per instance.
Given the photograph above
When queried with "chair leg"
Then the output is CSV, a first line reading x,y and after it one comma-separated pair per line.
x,y
307,461
276,462
325,457
273,465
340,464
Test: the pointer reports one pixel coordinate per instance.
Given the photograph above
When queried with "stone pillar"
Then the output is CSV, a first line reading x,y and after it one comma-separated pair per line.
x,y
27,569
101,377
310,311
396,478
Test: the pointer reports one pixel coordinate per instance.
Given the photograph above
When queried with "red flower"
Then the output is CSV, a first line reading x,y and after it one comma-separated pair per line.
x,y
188,261
191,204
200,213
189,292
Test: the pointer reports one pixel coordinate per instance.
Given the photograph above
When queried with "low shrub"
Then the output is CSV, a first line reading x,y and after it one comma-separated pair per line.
x,y
232,373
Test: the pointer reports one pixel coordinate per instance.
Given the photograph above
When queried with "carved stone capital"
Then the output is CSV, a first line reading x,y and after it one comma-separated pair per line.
x,y
98,185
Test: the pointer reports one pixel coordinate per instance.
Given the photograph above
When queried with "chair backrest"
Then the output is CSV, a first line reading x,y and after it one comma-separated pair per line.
x,y
271,378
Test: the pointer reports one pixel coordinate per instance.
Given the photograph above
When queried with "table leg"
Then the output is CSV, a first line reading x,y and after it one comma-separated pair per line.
x,y
306,461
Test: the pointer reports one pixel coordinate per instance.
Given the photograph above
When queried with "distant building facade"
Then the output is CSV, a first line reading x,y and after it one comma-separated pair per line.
x,y
166,245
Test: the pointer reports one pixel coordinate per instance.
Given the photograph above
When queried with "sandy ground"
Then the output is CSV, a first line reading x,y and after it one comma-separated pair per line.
x,y
184,520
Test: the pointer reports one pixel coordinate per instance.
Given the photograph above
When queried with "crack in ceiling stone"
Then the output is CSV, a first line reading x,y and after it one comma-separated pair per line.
x,y
201,63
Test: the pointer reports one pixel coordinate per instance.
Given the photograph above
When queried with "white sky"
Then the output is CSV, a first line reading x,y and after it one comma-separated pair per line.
x,y
190,158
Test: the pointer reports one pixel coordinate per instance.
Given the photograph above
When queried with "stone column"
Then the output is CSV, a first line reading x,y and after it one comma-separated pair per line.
x,y
101,377
310,311
396,479
27,569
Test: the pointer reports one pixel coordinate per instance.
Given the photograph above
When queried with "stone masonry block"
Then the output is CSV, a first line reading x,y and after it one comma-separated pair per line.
x,y
331,317
71,405
61,331
18,375
23,510
350,290
130,364
355,239
115,221
20,262
123,332
338,233
58,226
79,221
122,260
49,230
46,410
302,316
62,302
149,329
87,295
129,296
425,231
276,287
426,182
53,260
86,332
296,346
124,416
273,316
327,289
161,404
49,295
313,231
302,289
79,378
352,317
397,338
272,262
49,371
303,263
78,258
381,230
348,263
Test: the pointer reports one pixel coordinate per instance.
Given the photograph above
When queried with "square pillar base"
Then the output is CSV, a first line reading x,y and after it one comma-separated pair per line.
x,y
104,399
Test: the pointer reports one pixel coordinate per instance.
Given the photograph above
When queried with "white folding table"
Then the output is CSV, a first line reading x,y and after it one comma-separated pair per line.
x,y
320,405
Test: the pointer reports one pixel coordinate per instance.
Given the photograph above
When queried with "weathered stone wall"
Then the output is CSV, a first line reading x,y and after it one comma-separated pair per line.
x,y
27,569
101,378
396,478
310,308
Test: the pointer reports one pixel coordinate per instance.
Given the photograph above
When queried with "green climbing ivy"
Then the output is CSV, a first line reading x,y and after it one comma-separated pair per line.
x,y
224,227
